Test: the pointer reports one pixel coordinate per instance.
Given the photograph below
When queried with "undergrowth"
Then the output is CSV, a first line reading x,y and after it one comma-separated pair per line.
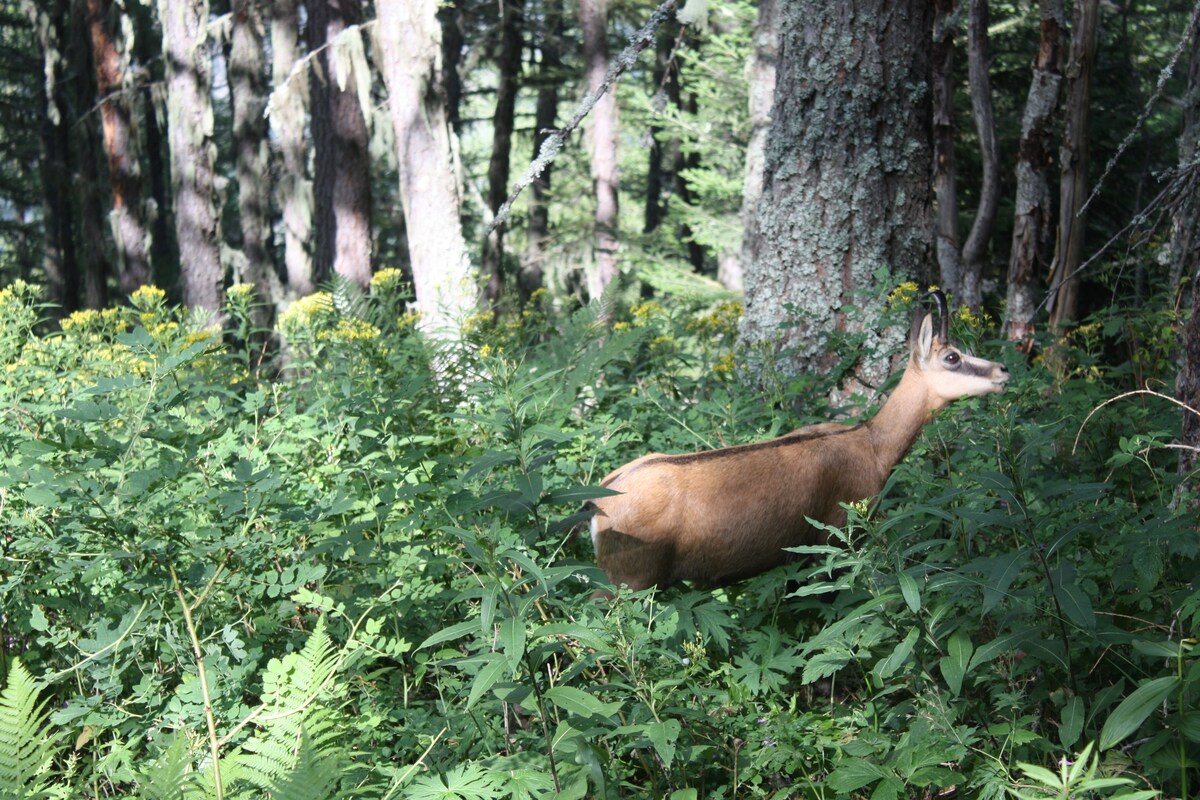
x,y
359,571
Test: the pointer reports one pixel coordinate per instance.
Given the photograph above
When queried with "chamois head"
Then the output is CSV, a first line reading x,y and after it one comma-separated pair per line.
x,y
949,372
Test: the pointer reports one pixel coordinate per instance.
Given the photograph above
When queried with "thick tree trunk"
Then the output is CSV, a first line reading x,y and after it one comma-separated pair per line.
x,y
1073,187
512,20
294,191
190,124
846,183
59,261
1031,221
1185,241
945,174
120,149
975,249
761,69
430,178
342,180
246,84
545,118
603,133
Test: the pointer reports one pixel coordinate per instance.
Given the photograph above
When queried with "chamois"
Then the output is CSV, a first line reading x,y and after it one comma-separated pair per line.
x,y
718,516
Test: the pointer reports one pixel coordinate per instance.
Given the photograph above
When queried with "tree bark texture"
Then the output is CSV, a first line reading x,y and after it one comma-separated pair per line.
x,y
974,251
86,153
945,166
1075,157
190,124
1031,219
602,138
846,180
512,21
763,61
342,182
430,176
294,191
120,148
247,73
1185,241
450,15
59,255
537,232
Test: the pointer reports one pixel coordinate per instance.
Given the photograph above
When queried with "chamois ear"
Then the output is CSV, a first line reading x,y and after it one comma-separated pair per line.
x,y
923,341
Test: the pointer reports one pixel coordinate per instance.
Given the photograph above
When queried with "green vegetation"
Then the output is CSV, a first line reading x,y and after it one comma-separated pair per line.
x,y
365,577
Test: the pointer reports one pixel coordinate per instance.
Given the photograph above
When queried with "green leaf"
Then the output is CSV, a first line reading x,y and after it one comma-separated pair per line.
x,y
449,634
958,657
1071,724
511,632
662,735
910,591
1134,709
486,678
580,703
888,666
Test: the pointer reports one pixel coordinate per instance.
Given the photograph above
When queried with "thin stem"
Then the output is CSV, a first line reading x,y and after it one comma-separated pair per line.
x,y
213,741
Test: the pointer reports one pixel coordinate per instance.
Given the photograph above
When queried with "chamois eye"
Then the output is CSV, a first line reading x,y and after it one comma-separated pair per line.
x,y
953,358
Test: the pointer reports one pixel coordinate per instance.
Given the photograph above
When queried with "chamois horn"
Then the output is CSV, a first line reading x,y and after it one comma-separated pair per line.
x,y
943,315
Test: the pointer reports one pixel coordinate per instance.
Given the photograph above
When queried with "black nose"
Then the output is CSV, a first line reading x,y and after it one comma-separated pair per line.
x,y
1004,369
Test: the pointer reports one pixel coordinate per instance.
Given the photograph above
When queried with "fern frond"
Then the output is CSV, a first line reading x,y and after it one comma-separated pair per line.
x,y
314,777
26,749
171,775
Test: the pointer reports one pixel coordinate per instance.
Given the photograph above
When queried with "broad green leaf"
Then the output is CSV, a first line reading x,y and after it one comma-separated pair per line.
x,y
580,703
885,668
1071,724
511,632
910,591
958,657
663,735
486,678
449,634
1134,709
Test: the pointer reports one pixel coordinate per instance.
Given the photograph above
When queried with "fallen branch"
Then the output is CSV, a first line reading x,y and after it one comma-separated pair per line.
x,y
549,150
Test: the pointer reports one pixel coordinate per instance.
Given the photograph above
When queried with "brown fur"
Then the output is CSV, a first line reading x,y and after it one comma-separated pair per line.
x,y
718,516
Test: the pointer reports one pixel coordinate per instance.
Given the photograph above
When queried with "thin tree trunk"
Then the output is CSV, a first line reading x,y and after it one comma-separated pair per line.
x,y
450,15
430,178
512,20
120,148
163,255
59,261
1031,221
663,76
190,124
537,233
294,190
945,177
1073,186
763,61
342,180
1185,246
246,84
846,185
93,260
978,61
604,130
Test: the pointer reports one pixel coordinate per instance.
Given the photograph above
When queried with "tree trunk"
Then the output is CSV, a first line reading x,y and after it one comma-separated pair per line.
x,y
545,118
190,125
975,249
945,175
86,152
762,66
59,261
846,181
604,130
1073,187
1031,220
294,191
512,20
430,177
450,15
163,253
120,149
246,85
1185,246
342,181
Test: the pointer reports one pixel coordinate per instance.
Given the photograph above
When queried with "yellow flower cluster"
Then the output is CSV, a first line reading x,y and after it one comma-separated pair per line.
x,y
973,320
307,314
350,330
387,281
106,322
408,319
725,366
643,313
720,321
147,298
903,294
240,293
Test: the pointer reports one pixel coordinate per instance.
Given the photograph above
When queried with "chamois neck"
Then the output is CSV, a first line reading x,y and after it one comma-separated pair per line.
x,y
895,428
